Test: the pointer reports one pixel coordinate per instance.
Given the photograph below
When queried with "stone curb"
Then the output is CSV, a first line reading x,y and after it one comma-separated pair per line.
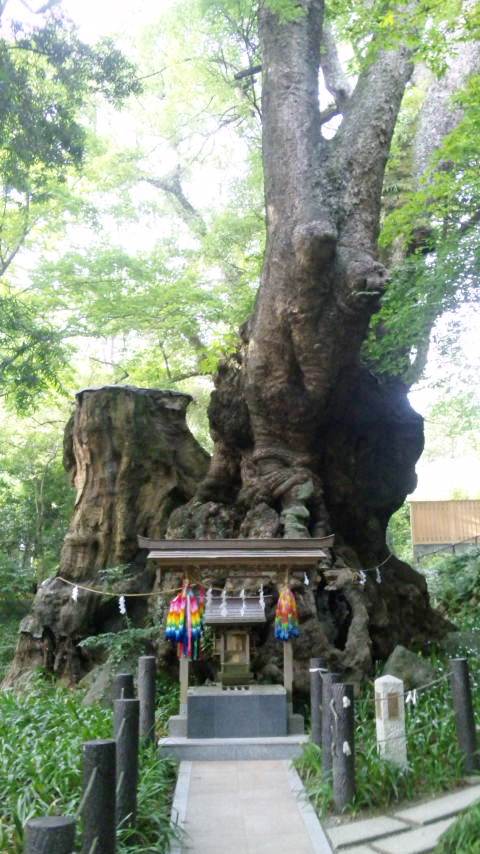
x,y
179,805
318,837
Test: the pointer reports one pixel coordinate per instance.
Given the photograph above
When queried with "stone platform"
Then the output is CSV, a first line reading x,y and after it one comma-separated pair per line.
x,y
230,749
253,711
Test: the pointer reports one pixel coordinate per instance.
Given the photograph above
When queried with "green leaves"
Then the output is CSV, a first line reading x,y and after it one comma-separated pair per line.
x,y
427,28
463,836
457,586
41,737
32,353
47,76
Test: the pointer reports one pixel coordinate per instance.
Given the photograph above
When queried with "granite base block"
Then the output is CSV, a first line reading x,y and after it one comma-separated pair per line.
x,y
253,712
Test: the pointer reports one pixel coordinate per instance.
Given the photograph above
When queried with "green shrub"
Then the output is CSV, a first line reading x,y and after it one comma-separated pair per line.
x,y
455,585
434,759
120,646
463,837
399,534
41,737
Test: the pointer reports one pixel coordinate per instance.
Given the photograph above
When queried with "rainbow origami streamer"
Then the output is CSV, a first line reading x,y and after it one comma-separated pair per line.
x,y
185,622
286,616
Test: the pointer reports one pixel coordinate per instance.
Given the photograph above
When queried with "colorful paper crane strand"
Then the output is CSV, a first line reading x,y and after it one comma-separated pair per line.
x,y
185,622
286,616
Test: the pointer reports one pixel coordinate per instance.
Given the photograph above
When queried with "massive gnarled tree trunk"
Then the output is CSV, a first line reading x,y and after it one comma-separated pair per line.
x,y
132,460
307,441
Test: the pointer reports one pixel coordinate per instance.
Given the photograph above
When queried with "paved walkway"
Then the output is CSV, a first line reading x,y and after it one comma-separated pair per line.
x,y
260,807
245,807
414,829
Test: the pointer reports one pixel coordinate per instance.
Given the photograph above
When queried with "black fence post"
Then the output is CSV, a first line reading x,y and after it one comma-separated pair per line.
x,y
123,688
316,667
147,668
343,745
328,680
52,834
126,721
98,802
464,715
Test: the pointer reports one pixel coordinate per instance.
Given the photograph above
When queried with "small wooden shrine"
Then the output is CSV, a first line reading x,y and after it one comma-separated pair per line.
x,y
258,709
232,618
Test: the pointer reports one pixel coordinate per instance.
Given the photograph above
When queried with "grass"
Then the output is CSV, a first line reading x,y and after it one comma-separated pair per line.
x,y
11,612
463,837
41,736
434,759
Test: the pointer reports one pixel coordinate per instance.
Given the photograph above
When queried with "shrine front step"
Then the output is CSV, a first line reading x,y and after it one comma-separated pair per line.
x,y
228,749
177,726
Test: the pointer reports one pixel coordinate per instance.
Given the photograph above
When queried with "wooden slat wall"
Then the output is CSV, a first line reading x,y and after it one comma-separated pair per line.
x,y
438,522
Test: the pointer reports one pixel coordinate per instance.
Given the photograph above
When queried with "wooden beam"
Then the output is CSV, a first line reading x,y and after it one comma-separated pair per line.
x,y
288,669
305,544
184,667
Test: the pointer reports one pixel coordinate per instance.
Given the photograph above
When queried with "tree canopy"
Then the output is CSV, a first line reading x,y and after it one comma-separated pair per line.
x,y
48,78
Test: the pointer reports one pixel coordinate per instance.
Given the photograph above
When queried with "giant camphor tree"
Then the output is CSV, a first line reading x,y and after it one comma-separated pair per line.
x,y
308,438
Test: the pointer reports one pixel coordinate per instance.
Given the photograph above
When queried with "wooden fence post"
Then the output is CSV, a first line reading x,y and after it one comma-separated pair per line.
x,y
464,715
329,679
126,726
123,688
147,667
98,802
343,745
316,667
50,834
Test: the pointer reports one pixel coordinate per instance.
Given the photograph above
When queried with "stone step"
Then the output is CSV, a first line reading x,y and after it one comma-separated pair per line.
x,y
417,841
364,831
226,749
442,807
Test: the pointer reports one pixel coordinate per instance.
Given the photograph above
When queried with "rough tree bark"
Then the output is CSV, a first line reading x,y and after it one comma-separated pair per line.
x,y
307,442
132,460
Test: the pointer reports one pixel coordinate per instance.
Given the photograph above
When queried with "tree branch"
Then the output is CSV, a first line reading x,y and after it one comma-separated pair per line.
x,y
362,143
470,222
336,81
247,72
44,8
27,226
291,125
329,113
171,185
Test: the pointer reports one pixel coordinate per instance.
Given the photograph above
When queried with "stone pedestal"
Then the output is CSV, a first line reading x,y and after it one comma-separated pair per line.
x,y
390,720
242,712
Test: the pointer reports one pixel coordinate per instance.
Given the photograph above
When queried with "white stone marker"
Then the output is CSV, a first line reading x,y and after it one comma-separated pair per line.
x,y
390,720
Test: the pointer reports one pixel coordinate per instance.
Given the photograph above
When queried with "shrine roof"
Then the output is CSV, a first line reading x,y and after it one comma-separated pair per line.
x,y
251,607
242,552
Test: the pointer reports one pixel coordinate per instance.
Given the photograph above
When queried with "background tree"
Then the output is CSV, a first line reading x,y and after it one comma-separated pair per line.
x,y
48,76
